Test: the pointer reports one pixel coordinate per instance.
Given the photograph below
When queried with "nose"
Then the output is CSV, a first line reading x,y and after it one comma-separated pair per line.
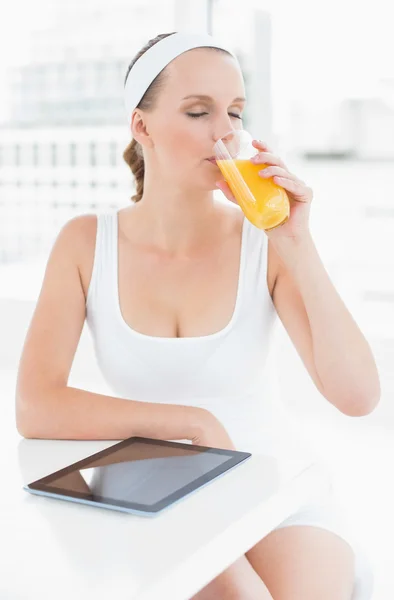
x,y
223,129
226,136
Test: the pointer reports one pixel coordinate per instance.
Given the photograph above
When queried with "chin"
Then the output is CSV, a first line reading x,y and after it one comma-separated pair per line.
x,y
210,186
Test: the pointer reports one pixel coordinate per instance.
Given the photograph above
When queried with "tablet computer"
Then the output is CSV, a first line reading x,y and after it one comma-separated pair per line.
x,y
138,475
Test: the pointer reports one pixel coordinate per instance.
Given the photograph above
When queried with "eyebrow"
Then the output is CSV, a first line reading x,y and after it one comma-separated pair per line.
x,y
203,97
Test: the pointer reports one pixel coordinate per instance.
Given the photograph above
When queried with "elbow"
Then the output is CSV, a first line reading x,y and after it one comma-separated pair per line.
x,y
358,400
26,433
23,426
24,430
34,411
359,406
25,420
36,417
29,431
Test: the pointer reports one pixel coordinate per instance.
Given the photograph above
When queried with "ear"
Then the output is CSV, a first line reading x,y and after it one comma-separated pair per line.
x,y
139,128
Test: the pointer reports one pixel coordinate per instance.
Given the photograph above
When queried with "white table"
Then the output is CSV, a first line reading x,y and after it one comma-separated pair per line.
x,y
57,549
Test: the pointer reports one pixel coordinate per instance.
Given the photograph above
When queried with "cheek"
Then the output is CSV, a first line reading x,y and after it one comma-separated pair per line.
x,y
182,143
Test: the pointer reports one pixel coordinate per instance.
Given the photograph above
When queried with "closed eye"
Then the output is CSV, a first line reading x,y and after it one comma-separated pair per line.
x,y
196,115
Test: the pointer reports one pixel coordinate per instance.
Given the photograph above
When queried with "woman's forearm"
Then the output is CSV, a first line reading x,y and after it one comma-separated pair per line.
x,y
342,356
75,414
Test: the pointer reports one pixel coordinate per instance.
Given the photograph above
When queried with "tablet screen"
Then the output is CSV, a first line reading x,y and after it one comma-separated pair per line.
x,y
141,472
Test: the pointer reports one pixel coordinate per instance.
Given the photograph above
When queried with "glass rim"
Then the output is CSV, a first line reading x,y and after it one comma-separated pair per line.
x,y
221,150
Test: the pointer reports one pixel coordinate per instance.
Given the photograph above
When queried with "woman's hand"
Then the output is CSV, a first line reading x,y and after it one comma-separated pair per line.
x,y
211,432
300,195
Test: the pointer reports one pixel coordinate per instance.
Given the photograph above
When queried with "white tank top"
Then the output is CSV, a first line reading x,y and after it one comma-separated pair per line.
x,y
224,372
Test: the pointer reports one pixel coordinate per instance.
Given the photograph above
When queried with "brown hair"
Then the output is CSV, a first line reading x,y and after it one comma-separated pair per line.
x,y
133,154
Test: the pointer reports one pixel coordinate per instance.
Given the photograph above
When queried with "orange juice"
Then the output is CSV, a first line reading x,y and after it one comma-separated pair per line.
x,y
263,202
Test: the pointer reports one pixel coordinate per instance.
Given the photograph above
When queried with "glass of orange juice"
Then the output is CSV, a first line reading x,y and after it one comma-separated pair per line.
x,y
263,202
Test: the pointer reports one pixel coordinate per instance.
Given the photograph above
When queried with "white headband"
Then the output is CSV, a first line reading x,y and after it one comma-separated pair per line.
x,y
154,60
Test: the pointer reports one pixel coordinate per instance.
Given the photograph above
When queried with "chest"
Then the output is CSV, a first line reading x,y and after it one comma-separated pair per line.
x,y
179,297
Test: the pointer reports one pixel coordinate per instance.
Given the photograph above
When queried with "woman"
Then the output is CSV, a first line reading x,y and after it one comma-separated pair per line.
x,y
180,293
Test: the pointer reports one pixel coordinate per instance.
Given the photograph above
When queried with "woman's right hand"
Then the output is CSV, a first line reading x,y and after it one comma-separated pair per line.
x,y
210,432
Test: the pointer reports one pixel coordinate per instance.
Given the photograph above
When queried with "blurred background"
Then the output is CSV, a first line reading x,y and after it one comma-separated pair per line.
x,y
320,86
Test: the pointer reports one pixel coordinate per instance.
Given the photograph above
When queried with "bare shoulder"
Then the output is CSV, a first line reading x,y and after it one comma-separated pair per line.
x,y
83,226
79,230
78,238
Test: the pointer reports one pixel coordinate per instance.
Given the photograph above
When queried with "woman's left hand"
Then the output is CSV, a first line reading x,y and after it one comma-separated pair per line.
x,y
300,195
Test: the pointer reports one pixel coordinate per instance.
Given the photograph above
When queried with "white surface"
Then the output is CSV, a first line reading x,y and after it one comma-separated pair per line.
x,y
69,550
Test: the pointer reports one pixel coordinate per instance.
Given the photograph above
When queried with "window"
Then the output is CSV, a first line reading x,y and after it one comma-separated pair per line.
x,y
73,154
53,155
93,154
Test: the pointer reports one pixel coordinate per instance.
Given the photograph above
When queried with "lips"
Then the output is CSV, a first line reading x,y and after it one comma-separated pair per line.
x,y
212,159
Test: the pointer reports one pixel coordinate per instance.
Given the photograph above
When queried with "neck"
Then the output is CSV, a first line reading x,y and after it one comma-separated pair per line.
x,y
178,221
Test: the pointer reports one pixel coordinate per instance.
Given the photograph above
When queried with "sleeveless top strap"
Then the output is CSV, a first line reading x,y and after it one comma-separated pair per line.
x,y
103,278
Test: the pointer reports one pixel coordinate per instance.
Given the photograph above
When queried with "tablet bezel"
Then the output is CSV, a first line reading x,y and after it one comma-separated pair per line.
x,y
42,485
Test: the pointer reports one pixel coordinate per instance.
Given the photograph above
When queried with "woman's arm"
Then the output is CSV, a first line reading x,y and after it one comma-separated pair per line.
x,y
46,407
334,350
75,414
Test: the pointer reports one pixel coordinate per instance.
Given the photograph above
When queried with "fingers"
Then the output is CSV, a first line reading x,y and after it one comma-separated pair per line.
x,y
268,159
299,190
266,156
296,188
261,145
281,172
224,187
